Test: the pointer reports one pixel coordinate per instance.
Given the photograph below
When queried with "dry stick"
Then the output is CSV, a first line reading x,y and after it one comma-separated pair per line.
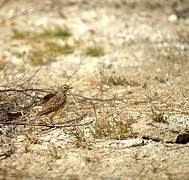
x,y
17,14
115,99
14,84
94,109
75,70
72,76
26,80
24,90
98,99
32,76
22,80
73,98
46,125
43,125
83,97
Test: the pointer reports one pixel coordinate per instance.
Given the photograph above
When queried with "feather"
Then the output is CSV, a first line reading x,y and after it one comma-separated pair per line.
x,y
54,104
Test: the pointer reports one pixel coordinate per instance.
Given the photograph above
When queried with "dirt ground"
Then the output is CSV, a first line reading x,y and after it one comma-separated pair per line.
x,y
127,116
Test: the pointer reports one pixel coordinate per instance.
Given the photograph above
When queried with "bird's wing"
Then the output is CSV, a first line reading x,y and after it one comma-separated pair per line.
x,y
52,105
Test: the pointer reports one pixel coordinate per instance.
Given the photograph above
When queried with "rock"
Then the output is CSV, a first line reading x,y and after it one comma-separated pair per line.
x,y
168,133
182,138
173,18
179,120
121,143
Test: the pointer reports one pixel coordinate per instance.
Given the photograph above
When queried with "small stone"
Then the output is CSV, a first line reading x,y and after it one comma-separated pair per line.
x,y
173,18
182,138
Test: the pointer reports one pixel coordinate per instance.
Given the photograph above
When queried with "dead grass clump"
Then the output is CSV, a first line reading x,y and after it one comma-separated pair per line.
x,y
48,52
113,79
7,146
113,127
95,51
31,139
2,65
54,151
80,137
57,33
17,35
158,116
39,57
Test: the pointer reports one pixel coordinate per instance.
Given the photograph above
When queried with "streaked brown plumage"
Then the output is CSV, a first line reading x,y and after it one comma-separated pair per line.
x,y
56,103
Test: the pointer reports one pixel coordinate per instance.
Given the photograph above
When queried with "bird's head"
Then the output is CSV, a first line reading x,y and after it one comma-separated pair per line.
x,y
64,88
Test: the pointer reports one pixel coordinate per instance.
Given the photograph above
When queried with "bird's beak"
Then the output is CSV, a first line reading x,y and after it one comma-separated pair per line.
x,y
70,87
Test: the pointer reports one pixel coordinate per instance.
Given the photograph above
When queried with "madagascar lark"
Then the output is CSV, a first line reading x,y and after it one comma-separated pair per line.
x,y
56,104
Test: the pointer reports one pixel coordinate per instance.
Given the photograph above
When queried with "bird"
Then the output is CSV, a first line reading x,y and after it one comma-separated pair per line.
x,y
55,104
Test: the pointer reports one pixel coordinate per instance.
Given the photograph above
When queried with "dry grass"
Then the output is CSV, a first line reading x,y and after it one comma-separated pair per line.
x,y
94,51
2,65
11,172
57,33
48,53
43,48
158,116
107,119
113,126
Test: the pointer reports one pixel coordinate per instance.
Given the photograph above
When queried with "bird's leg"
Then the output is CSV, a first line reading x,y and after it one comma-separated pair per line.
x,y
53,115
51,119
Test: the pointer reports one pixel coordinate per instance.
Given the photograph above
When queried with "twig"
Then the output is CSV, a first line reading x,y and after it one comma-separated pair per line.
x,y
114,99
24,90
75,70
99,99
17,13
42,125
31,77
